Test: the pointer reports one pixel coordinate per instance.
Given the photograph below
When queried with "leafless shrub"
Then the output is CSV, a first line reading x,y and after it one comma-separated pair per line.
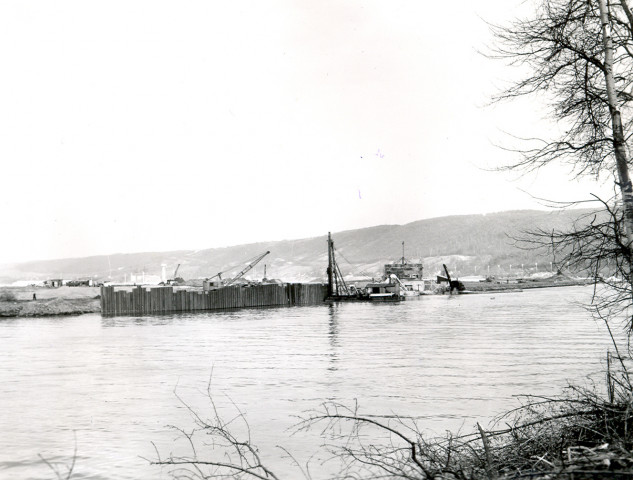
x,y
582,434
215,451
58,467
7,296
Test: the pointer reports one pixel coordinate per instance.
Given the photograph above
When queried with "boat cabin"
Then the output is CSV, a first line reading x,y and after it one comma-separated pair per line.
x,y
383,289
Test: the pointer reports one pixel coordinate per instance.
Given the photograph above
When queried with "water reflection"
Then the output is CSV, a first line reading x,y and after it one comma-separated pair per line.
x,y
333,334
150,321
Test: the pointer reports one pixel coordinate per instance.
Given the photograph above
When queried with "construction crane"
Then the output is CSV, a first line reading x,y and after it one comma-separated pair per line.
x,y
247,268
336,284
453,284
252,263
173,278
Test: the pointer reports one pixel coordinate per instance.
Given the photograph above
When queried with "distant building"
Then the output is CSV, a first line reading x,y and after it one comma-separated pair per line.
x,y
210,285
54,283
81,282
405,271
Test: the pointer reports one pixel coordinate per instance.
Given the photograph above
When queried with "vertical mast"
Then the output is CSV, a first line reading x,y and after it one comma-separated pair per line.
x,y
403,253
330,270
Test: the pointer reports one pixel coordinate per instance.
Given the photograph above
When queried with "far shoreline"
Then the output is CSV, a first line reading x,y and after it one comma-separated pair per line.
x,y
72,301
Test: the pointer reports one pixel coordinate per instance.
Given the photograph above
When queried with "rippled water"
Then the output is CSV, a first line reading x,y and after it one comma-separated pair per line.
x,y
109,382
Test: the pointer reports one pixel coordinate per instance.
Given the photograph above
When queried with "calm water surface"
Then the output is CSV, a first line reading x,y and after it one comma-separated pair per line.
x,y
109,382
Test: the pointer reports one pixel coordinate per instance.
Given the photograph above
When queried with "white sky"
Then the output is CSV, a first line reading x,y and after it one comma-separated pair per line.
x,y
151,125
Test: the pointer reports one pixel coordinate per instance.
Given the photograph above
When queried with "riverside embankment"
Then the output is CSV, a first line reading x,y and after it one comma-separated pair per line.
x,y
19,302
523,284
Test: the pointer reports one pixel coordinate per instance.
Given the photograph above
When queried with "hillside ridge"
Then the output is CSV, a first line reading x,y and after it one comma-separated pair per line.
x,y
470,244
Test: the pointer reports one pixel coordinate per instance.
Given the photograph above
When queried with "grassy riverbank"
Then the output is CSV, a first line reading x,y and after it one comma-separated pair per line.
x,y
18,301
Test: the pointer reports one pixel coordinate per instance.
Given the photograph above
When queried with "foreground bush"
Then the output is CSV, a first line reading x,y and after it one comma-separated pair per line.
x,y
7,296
581,434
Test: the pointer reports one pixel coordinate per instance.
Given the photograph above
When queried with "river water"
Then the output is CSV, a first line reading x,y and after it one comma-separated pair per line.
x,y
108,385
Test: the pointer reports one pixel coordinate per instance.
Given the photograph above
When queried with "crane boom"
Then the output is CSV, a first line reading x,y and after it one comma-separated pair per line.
x,y
219,275
176,271
448,275
247,268
397,280
453,284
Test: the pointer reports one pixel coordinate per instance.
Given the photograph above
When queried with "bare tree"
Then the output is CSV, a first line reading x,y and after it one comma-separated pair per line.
x,y
596,245
578,55
608,18
562,50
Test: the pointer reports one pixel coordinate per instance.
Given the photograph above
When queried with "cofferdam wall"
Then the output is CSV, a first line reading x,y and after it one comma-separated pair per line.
x,y
141,300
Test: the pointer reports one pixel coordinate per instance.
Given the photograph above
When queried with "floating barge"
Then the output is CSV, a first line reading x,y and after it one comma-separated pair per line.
x,y
338,290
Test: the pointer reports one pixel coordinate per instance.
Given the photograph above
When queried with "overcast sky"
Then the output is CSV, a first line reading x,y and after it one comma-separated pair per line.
x,y
148,125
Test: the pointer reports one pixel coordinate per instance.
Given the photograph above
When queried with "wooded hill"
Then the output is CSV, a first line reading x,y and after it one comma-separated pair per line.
x,y
468,244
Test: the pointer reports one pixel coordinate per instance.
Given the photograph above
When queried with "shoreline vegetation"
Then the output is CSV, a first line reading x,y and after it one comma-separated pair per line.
x,y
19,302
582,434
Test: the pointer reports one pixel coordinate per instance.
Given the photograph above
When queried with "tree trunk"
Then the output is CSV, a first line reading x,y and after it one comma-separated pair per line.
x,y
619,142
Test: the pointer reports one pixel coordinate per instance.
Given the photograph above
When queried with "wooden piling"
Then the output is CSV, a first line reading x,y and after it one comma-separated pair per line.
x,y
142,300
